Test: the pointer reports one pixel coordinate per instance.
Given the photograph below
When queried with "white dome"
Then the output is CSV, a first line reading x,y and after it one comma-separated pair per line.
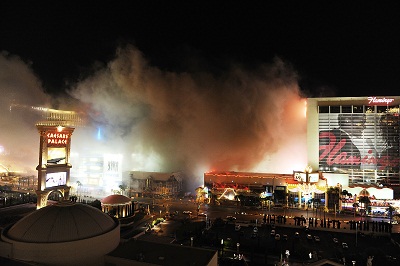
x,y
61,222
62,234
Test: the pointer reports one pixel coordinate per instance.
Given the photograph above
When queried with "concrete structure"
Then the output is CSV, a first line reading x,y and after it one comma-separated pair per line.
x,y
55,129
351,142
282,189
117,205
356,136
154,183
156,252
61,234
54,167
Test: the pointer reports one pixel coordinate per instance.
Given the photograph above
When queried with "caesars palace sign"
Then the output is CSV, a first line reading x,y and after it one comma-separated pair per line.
x,y
57,138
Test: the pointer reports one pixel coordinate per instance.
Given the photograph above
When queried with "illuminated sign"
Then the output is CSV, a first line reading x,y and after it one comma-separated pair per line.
x,y
57,139
336,152
312,178
298,177
302,177
365,151
376,100
56,155
56,179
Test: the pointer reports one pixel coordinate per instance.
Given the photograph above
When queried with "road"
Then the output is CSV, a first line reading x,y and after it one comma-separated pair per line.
x,y
261,247
248,213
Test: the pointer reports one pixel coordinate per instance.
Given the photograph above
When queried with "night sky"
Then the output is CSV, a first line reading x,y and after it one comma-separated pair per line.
x,y
340,48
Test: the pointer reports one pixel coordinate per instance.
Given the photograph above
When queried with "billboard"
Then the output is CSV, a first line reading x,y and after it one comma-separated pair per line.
x,y
56,179
56,155
362,141
57,142
302,177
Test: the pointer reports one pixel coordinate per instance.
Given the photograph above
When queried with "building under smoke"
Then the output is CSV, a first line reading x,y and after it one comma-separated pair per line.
x,y
352,145
153,184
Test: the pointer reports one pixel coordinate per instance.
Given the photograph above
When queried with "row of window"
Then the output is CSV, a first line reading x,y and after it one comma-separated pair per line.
x,y
363,144
357,109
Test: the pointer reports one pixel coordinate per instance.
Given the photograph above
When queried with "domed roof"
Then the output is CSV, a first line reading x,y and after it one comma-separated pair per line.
x,y
115,199
61,222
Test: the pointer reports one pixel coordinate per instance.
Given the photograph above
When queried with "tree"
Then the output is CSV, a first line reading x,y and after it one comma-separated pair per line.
x,y
315,203
333,197
365,201
122,187
355,206
96,204
79,184
390,211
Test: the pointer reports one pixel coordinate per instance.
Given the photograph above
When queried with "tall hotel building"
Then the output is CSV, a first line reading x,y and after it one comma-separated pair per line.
x,y
355,136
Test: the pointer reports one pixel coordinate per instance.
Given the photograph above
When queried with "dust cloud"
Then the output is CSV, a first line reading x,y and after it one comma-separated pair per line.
x,y
196,122
164,121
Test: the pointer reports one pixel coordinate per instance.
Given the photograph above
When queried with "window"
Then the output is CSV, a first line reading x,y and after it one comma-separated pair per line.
x,y
335,109
323,109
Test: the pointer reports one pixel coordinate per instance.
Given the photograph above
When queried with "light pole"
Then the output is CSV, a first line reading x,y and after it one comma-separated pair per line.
x,y
307,215
356,232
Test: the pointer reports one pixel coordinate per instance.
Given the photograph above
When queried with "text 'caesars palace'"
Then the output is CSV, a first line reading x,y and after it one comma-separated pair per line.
x,y
352,152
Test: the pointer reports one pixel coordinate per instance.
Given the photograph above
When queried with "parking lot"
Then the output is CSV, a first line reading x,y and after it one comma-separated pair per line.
x,y
269,244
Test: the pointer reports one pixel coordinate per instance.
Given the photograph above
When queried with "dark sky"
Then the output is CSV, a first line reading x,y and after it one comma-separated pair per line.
x,y
339,48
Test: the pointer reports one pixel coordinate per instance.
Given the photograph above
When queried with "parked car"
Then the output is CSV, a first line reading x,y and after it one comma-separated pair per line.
x,y
237,227
272,232
317,239
277,237
309,237
202,214
344,245
230,218
296,235
284,237
335,240
187,212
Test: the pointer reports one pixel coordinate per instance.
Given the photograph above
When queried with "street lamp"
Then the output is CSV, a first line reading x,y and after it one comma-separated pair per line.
x,y
356,232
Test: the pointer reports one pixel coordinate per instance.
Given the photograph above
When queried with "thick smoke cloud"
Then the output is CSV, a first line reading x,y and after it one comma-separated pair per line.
x,y
19,89
164,121
196,122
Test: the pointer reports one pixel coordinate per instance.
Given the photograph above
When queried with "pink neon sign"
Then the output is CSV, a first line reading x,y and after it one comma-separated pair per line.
x,y
376,100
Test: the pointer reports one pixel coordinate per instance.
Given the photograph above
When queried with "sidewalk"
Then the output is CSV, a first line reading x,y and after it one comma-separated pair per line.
x,y
344,228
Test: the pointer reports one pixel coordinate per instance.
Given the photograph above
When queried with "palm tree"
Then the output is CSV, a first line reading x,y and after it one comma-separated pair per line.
x,y
315,203
122,187
344,196
79,184
333,196
355,206
390,211
365,201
